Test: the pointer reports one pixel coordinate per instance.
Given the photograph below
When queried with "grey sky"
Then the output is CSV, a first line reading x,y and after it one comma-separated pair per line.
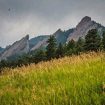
x,y
36,17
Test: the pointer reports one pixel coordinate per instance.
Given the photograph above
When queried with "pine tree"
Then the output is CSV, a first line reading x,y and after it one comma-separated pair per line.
x,y
71,44
51,48
80,45
60,51
92,41
39,56
3,64
103,40
71,47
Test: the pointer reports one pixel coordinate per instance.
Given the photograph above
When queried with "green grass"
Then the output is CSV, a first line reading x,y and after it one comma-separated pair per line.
x,y
76,80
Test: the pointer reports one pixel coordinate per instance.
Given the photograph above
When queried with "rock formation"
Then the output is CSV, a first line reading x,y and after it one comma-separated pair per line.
x,y
17,48
83,27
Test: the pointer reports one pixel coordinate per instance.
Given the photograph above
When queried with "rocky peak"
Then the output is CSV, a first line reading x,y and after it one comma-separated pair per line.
x,y
84,21
58,32
83,27
26,37
17,48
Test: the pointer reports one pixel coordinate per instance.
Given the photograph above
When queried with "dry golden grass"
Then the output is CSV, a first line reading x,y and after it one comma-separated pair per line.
x,y
76,80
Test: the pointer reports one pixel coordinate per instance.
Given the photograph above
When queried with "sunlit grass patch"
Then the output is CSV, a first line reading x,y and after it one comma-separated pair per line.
x,y
76,80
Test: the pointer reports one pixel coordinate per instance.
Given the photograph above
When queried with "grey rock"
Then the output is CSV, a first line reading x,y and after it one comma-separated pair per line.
x,y
40,44
83,27
17,48
34,41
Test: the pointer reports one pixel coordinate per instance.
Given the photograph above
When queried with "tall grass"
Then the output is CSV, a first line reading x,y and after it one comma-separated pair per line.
x,y
76,80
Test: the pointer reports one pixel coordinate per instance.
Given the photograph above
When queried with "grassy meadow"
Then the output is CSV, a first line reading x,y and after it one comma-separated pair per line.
x,y
76,80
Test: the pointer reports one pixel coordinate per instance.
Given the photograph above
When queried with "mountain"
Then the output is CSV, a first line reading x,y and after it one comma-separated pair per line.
x,y
35,40
83,27
81,30
61,37
25,45
40,45
17,48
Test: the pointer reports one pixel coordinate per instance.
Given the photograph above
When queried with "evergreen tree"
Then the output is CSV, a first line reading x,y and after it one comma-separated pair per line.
x,y
92,41
20,61
3,64
71,47
39,56
26,58
71,44
60,51
103,40
65,49
51,48
80,45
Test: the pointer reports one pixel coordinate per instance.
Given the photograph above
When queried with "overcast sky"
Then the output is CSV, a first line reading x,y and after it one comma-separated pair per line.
x,y
39,17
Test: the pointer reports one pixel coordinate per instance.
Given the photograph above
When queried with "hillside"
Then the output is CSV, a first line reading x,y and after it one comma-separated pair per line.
x,y
76,80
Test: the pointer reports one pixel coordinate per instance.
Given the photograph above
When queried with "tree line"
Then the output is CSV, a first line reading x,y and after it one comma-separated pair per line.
x,y
92,42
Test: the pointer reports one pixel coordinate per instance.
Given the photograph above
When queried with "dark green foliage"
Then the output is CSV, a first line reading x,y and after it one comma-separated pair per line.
x,y
39,56
51,48
60,51
103,40
71,44
80,45
3,64
92,41
71,47
25,59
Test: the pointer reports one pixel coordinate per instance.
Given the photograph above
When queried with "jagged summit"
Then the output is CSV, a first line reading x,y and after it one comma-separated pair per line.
x,y
27,37
58,31
86,19
83,27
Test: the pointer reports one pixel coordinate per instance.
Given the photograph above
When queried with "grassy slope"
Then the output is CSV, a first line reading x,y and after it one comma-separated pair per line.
x,y
77,80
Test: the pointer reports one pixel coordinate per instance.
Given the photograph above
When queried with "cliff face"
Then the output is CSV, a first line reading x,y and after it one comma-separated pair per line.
x,y
17,48
83,27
